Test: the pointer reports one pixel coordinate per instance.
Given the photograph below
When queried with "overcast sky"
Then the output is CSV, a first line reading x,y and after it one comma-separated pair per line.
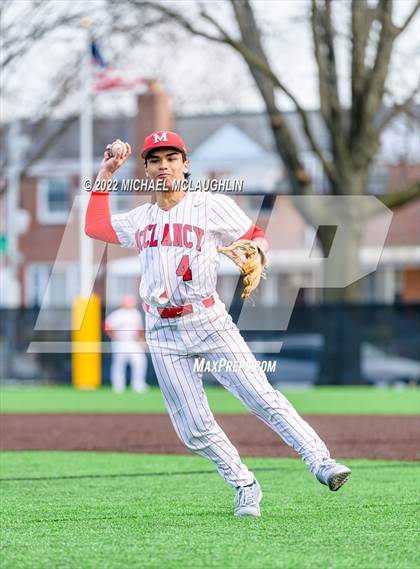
x,y
201,77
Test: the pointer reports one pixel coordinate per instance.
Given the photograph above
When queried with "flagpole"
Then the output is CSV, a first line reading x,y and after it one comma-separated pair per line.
x,y
86,163
86,310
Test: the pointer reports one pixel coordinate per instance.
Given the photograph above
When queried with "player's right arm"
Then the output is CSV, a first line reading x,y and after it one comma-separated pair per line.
x,y
98,215
108,329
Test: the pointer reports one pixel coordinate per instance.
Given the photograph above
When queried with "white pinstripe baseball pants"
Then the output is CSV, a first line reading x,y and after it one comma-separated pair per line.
x,y
123,354
174,345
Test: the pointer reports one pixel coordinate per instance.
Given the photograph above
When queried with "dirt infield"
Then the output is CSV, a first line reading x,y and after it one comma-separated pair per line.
x,y
386,437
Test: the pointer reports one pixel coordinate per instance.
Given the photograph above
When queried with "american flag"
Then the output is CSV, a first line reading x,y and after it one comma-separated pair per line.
x,y
107,78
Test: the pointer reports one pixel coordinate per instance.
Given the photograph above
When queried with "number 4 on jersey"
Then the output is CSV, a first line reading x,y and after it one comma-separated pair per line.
x,y
183,269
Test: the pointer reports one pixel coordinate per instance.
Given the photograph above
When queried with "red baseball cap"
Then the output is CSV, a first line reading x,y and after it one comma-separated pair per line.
x,y
163,138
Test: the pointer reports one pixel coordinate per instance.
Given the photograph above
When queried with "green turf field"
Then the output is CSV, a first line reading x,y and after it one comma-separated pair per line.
x,y
321,400
118,511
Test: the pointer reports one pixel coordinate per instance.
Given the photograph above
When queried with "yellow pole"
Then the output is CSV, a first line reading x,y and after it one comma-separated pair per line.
x,y
86,342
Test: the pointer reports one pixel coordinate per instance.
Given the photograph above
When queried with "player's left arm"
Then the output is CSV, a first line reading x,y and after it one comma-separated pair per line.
x,y
262,244
258,236
247,243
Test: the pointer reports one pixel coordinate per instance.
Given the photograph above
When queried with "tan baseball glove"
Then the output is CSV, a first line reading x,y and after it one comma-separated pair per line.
x,y
250,259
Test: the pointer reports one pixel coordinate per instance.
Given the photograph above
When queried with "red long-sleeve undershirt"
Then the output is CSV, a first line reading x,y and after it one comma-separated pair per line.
x,y
253,232
98,219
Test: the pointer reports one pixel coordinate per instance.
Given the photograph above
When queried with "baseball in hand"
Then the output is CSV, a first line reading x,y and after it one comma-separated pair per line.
x,y
116,147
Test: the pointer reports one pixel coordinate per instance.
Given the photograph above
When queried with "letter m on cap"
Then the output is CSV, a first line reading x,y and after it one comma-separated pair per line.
x,y
163,137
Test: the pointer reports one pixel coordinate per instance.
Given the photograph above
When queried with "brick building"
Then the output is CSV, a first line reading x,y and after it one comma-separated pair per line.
x,y
232,146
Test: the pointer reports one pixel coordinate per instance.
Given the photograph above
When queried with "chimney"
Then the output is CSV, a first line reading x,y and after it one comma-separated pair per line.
x,y
153,113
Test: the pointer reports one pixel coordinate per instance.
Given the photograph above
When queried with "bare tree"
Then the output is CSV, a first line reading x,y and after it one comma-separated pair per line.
x,y
354,133
45,20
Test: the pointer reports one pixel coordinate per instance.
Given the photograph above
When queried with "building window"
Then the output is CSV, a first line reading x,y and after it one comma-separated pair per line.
x,y
377,179
309,237
313,167
51,286
260,203
53,204
121,203
118,286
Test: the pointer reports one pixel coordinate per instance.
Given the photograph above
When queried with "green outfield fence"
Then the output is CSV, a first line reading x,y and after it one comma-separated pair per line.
x,y
324,344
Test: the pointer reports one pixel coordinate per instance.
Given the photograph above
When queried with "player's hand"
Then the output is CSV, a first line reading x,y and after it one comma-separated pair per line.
x,y
111,163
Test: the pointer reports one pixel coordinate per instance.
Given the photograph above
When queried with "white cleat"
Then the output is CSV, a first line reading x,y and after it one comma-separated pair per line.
x,y
248,500
141,389
332,474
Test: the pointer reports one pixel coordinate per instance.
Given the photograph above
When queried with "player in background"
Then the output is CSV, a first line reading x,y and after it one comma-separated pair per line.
x,y
125,328
178,240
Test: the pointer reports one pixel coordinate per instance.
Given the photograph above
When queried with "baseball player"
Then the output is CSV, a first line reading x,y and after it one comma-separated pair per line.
x,y
125,328
178,240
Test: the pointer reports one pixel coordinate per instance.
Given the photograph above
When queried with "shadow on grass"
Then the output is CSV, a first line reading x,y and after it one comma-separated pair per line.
x,y
179,473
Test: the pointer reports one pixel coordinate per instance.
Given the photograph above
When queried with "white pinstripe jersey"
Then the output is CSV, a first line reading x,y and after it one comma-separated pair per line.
x,y
178,248
125,324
